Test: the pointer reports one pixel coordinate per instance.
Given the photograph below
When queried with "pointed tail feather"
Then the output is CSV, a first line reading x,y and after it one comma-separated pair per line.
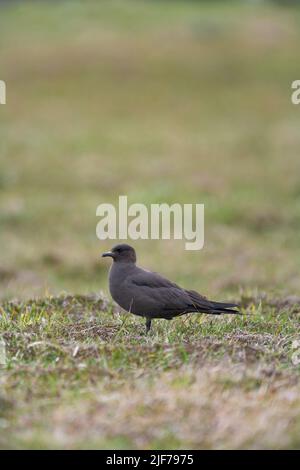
x,y
224,310
222,305
206,306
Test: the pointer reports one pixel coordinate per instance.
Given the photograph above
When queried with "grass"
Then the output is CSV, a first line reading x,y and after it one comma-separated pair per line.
x,y
164,101
80,375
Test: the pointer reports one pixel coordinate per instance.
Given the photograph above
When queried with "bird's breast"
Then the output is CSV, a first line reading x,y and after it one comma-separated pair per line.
x,y
118,287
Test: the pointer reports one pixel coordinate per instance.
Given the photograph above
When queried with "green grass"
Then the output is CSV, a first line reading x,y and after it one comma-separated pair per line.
x,y
178,101
164,102
80,375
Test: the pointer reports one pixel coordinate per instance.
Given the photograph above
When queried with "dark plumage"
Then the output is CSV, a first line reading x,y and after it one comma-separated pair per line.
x,y
150,295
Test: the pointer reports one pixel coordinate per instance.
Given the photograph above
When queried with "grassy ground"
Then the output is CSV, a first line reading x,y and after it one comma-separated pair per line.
x,y
178,101
79,375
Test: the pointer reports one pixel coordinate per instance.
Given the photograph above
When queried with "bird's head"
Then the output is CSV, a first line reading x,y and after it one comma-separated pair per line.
x,y
121,254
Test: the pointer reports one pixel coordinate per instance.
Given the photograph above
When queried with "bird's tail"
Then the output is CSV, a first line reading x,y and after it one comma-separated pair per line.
x,y
224,307
201,304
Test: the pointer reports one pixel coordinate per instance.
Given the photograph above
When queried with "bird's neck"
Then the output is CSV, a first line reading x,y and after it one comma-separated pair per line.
x,y
121,269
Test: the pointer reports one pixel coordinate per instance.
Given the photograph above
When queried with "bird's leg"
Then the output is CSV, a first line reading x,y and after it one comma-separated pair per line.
x,y
148,325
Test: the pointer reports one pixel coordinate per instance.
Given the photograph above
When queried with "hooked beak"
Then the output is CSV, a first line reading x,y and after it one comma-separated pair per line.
x,y
108,253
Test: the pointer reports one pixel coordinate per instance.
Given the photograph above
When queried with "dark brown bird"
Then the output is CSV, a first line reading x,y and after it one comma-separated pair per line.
x,y
150,295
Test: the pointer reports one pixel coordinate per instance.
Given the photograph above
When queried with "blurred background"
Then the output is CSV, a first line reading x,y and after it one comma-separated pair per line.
x,y
165,101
